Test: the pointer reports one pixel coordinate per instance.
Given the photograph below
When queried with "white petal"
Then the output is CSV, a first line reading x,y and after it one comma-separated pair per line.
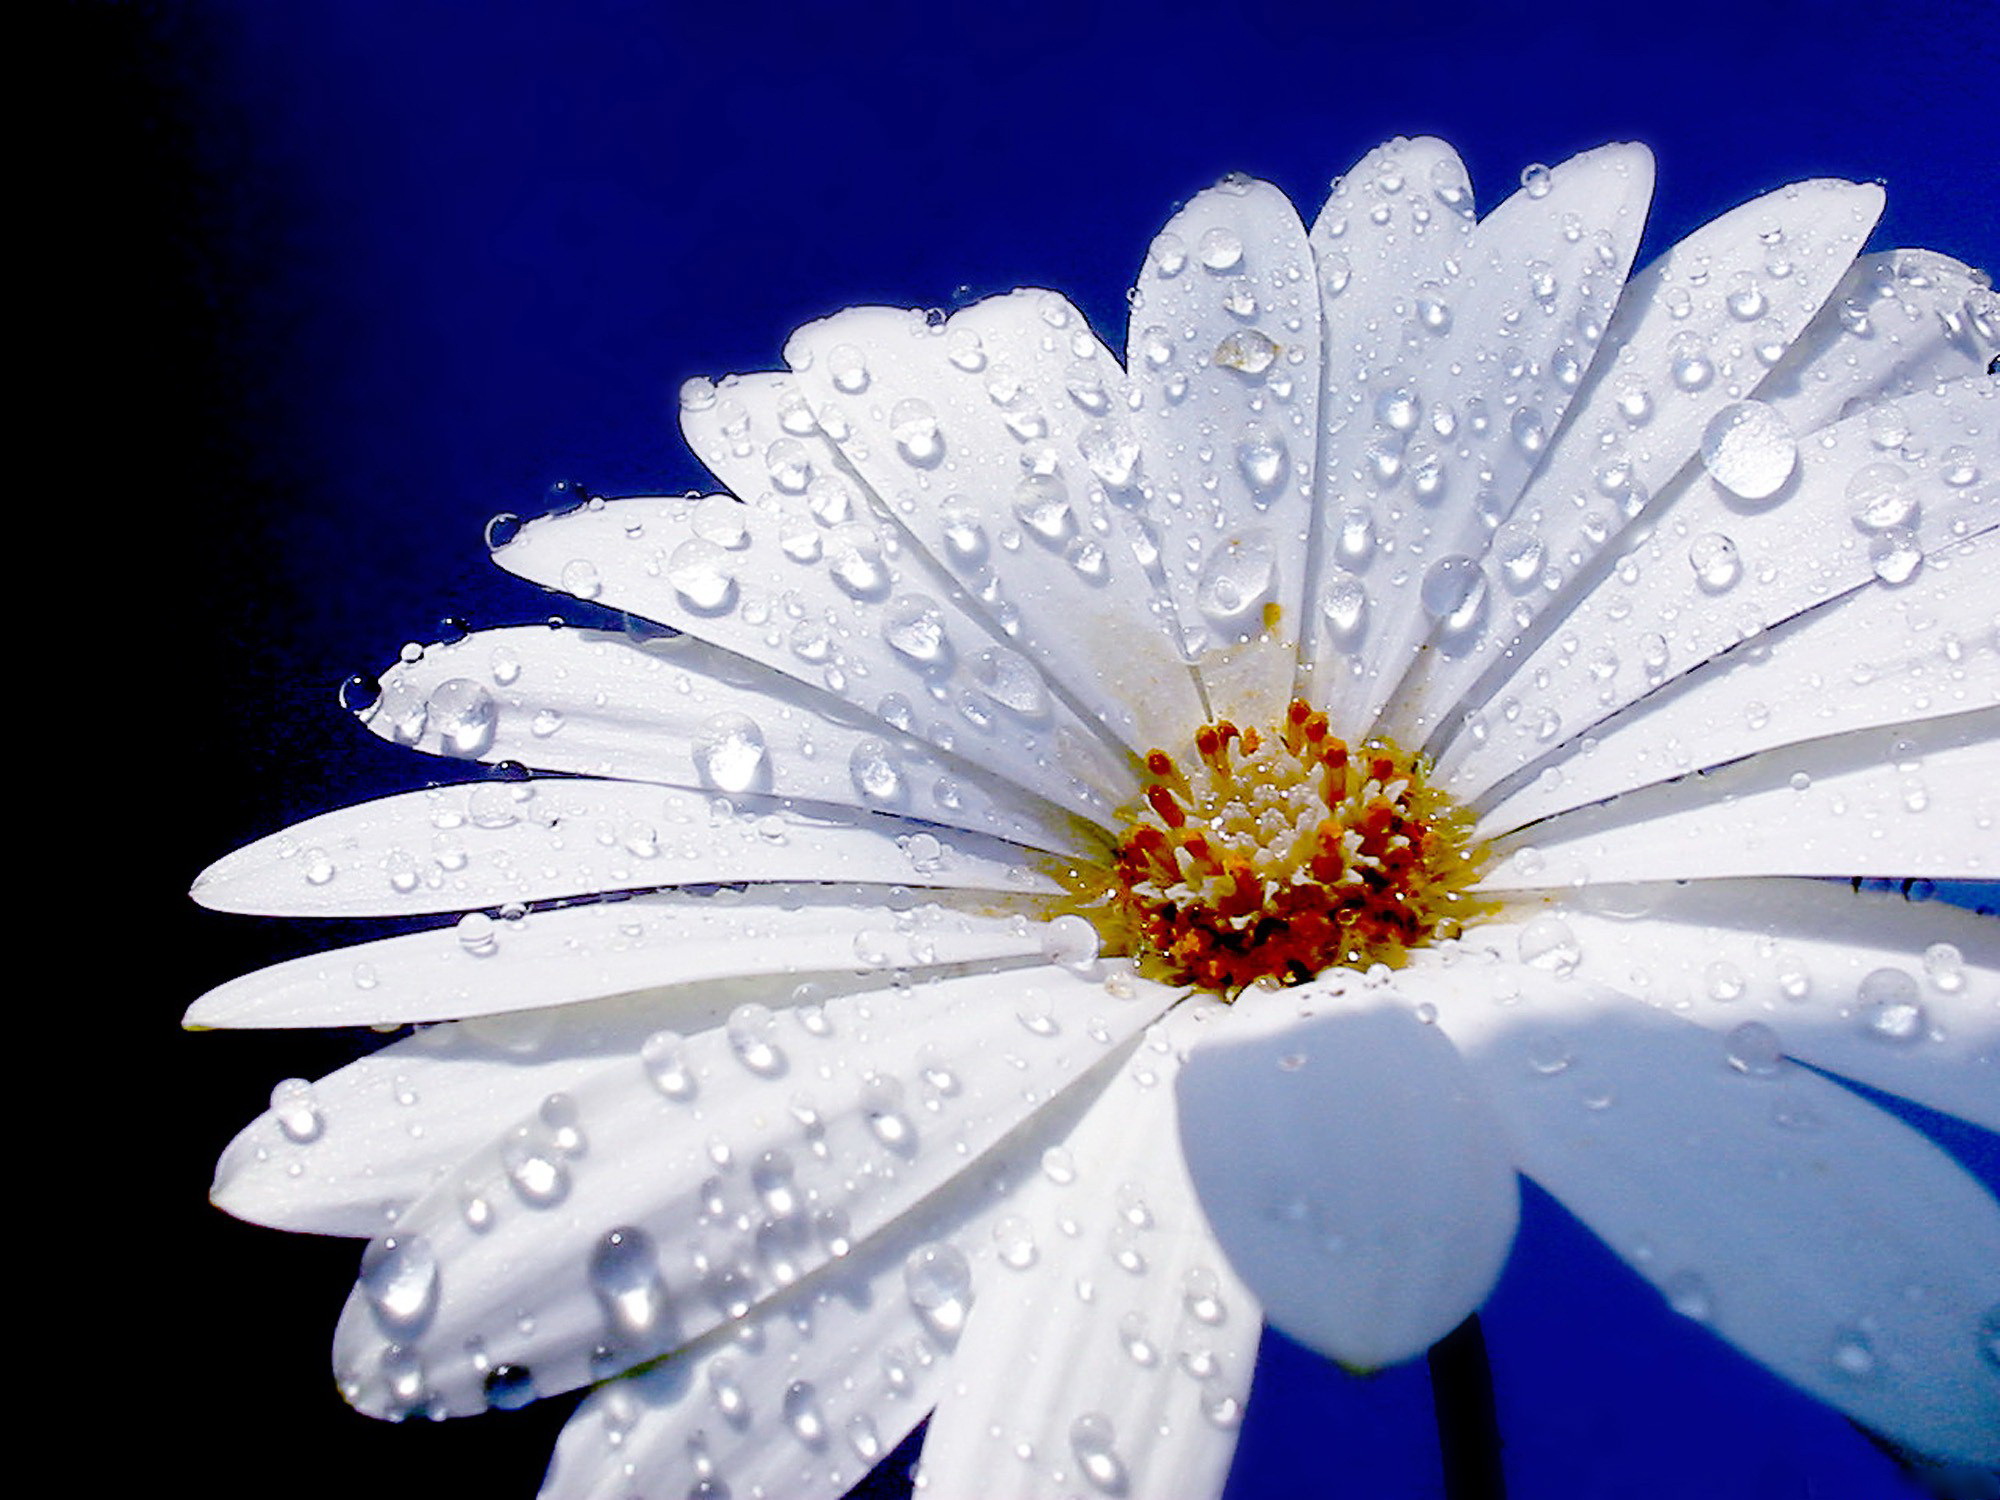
x,y
1874,655
1899,323
1111,1347
1903,996
1003,442
1815,1232
799,1133
1634,425
681,712
655,942
350,1152
1351,1168
1384,246
805,1393
1455,432
459,848
1905,800
1714,571
847,607
1223,350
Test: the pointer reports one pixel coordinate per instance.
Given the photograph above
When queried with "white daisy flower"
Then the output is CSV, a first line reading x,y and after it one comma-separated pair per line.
x,y
1110,851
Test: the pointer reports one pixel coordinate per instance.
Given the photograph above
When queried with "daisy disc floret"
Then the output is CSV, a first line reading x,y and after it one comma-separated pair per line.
x,y
1275,855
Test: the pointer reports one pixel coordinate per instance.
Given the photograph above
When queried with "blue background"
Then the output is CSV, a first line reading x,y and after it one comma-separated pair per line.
x,y
338,282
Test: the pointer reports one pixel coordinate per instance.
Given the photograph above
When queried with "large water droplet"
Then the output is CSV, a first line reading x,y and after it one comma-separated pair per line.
x,y
729,754
1749,450
701,575
751,1030
1010,680
464,715
1236,581
625,1275
914,627
875,771
1891,1007
1343,603
1219,249
399,1276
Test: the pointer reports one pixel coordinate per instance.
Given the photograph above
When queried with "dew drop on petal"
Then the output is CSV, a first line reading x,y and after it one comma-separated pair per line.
x,y
1715,561
399,1277
729,753
1219,249
1749,450
1895,555
1880,496
297,1111
1094,1442
625,1275
1236,580
1754,1049
1890,1006
464,716
700,574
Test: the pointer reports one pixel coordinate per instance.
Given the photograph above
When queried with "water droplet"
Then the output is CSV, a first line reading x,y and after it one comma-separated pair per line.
x,y
939,1282
700,574
1549,943
625,1275
509,1387
854,558
914,628
297,1111
664,1056
1237,579
1537,181
399,1277
1754,1049
1219,249
847,368
1688,1294
1891,1007
1070,940
1715,562
1093,1441
464,715
964,536
1041,504
1247,351
1201,1295
1261,459
875,772
1014,1243
750,1030
914,426
1010,680
1343,603
1749,450
729,754
537,1174
1851,1354
1454,593
1895,555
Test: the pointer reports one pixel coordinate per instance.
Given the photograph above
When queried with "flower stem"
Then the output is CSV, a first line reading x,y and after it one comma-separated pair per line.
x,y
1468,1430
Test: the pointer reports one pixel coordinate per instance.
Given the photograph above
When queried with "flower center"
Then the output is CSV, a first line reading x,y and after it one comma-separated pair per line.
x,y
1274,856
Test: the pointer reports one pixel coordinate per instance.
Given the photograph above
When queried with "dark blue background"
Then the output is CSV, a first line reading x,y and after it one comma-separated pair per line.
x,y
338,282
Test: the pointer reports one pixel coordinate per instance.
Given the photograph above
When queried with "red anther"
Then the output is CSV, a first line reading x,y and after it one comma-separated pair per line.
x,y
1159,763
1382,769
1208,740
1298,711
1163,803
